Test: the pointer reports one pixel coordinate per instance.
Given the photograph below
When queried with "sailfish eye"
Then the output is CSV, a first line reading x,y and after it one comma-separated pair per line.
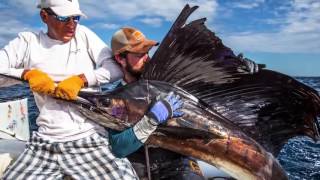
x,y
105,102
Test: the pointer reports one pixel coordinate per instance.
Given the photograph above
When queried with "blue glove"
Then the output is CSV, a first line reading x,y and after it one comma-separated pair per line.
x,y
166,108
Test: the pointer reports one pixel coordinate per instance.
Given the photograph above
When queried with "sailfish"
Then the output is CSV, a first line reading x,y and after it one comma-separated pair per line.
x,y
233,119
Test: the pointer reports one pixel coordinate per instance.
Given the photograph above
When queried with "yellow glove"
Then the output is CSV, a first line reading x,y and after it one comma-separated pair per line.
x,y
69,88
39,81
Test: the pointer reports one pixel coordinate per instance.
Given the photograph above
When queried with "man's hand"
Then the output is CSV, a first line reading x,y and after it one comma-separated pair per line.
x,y
39,81
249,65
166,108
69,88
252,67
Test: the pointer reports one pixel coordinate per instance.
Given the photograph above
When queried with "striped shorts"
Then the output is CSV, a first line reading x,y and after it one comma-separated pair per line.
x,y
87,158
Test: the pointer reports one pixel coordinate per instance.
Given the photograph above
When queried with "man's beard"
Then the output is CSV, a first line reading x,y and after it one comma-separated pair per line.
x,y
134,73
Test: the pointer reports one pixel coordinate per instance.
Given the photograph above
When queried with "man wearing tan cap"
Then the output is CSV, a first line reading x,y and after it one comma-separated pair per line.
x,y
59,62
130,49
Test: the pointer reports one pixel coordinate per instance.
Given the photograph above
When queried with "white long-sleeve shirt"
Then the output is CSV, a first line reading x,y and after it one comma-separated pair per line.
x,y
86,53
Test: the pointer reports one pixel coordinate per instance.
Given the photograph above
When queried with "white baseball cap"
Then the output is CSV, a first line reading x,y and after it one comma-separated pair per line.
x,y
62,7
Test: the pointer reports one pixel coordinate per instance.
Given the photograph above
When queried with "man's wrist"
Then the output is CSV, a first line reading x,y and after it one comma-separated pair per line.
x,y
152,119
143,129
23,73
84,79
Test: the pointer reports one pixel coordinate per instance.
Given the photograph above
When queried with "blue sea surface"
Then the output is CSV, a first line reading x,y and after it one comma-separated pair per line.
x,y
300,157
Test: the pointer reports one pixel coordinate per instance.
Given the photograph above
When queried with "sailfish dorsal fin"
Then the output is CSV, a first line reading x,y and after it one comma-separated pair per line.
x,y
268,106
191,52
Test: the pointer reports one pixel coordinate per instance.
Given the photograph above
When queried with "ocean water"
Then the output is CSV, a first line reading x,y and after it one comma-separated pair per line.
x,y
300,157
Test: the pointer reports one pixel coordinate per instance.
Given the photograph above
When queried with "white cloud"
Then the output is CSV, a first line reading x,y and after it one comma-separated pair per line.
x,y
155,22
298,33
126,10
10,26
117,10
299,28
248,4
105,13
274,42
106,26
304,17
24,6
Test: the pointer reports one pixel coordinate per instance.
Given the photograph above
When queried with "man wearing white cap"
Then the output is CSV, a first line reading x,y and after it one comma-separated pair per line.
x,y
60,62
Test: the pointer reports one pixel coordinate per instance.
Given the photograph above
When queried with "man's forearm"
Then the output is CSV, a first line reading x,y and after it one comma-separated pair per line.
x,y
124,142
128,141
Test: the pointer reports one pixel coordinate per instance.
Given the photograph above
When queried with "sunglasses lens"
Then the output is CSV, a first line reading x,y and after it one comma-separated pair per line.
x,y
66,18
76,18
63,18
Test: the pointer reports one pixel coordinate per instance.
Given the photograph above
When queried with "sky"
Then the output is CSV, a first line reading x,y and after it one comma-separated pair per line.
x,y
284,35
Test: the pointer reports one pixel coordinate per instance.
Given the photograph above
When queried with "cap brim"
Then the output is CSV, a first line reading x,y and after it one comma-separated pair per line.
x,y
70,11
143,47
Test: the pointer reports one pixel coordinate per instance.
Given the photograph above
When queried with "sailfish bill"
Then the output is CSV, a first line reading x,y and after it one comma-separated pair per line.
x,y
7,81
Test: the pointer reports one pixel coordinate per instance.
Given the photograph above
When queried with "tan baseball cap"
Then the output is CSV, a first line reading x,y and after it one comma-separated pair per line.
x,y
62,7
131,40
